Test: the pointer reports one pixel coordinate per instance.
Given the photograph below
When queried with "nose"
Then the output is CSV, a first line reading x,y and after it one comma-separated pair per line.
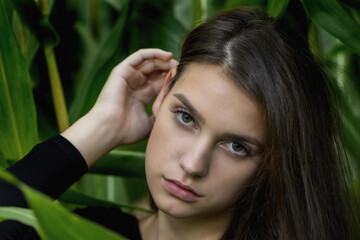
x,y
197,158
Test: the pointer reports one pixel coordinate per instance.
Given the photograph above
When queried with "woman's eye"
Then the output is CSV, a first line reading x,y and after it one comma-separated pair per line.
x,y
185,117
237,148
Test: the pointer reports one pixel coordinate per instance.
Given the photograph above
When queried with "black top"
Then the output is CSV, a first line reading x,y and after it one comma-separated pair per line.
x,y
52,167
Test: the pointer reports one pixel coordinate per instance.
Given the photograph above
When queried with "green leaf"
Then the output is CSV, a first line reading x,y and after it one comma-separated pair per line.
x,y
331,16
197,11
39,24
27,42
56,222
23,215
3,163
18,127
276,8
237,3
160,26
183,12
74,197
117,4
352,141
91,85
121,163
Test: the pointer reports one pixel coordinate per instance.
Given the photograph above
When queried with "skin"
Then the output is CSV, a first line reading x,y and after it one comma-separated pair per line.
x,y
200,150
204,150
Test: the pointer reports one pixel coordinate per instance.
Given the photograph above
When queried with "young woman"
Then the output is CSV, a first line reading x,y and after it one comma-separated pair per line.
x,y
244,139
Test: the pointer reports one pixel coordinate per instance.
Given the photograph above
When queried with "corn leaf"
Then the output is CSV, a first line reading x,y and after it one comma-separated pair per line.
x,y
236,3
75,197
121,163
117,4
37,22
3,163
55,221
332,17
27,42
23,215
276,8
18,127
92,84
58,223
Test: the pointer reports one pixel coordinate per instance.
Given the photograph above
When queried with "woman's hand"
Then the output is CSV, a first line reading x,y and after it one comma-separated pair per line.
x,y
118,116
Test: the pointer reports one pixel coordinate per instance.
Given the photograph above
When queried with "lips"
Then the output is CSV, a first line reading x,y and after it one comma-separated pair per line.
x,y
181,191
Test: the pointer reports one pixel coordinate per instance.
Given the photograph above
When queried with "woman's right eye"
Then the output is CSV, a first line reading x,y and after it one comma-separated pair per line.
x,y
183,117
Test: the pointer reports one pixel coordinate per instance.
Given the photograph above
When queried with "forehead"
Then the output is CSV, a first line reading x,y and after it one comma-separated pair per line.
x,y
219,100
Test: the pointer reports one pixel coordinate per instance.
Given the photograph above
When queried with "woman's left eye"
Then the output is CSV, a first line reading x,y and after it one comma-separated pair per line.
x,y
237,148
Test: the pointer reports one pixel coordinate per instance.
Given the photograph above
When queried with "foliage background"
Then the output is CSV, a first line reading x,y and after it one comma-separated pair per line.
x,y
56,55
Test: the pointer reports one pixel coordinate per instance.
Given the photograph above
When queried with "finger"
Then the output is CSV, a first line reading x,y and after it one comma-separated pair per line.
x,y
133,77
151,66
147,54
151,90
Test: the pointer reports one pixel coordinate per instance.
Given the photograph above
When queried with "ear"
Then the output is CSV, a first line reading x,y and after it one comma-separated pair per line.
x,y
163,92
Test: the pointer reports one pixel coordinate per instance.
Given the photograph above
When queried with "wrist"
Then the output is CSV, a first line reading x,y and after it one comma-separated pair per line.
x,y
92,136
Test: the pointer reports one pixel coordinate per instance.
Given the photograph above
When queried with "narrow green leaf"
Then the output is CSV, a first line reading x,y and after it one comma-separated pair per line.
x,y
84,98
54,221
74,197
331,16
121,163
276,8
5,163
237,3
213,7
197,11
117,4
8,177
27,41
314,40
18,127
58,223
23,215
39,24
353,3
161,28
352,142
183,13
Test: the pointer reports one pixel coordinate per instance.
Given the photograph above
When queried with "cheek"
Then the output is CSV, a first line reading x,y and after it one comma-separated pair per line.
x,y
163,145
231,178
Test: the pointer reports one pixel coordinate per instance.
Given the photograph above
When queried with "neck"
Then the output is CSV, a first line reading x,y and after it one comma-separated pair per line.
x,y
165,227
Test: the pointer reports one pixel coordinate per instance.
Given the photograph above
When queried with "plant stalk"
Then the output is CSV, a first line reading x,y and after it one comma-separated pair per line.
x,y
57,90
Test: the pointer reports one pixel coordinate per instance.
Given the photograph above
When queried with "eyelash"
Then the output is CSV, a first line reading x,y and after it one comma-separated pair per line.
x,y
178,111
245,151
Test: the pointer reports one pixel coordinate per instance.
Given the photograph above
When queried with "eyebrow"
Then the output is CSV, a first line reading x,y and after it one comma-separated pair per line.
x,y
198,116
189,106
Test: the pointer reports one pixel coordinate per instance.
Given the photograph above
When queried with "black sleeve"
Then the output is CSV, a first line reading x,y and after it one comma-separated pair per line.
x,y
50,167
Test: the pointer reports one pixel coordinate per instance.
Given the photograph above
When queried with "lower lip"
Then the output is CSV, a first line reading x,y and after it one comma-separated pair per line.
x,y
180,192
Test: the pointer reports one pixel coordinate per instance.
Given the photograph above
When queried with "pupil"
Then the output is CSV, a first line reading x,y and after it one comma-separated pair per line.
x,y
186,118
236,146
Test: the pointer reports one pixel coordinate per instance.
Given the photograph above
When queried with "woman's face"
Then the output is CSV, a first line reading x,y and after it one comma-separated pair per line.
x,y
205,145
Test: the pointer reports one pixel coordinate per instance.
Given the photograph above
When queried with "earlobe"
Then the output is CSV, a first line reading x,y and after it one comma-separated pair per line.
x,y
163,92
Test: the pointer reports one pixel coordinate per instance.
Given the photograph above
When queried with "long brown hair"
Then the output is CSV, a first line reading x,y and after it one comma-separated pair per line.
x,y
300,190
